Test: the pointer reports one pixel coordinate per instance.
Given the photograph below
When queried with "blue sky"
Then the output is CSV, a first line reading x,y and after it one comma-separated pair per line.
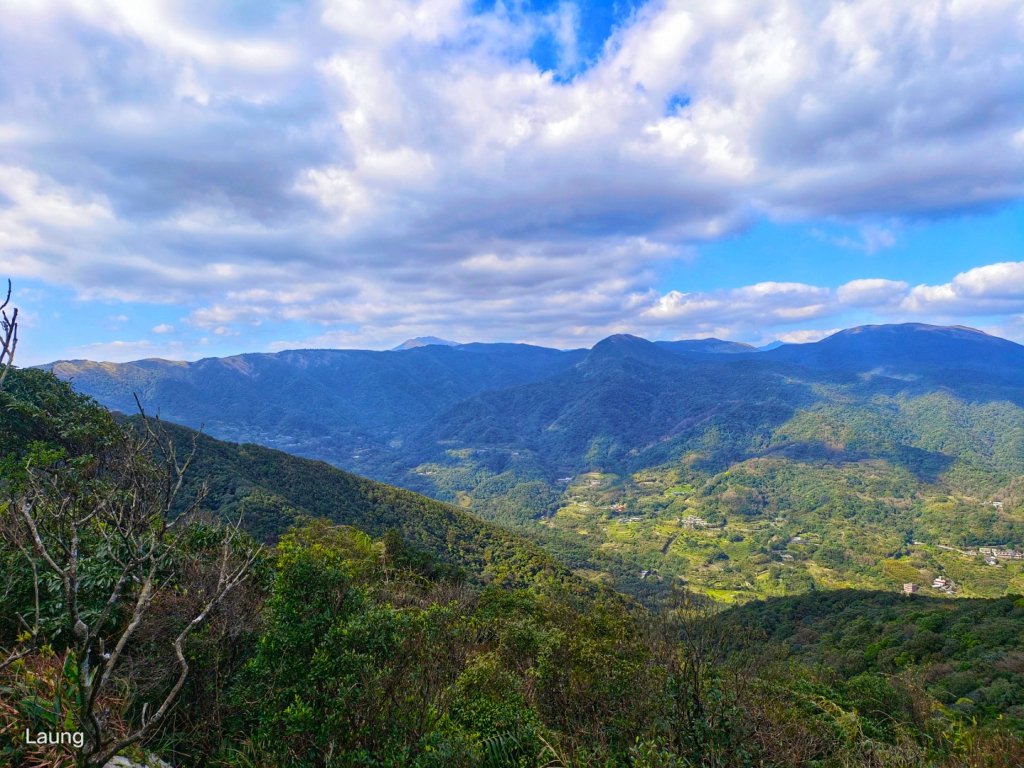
x,y
185,179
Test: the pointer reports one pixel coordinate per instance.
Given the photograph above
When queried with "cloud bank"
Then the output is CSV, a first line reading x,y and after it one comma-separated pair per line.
x,y
401,167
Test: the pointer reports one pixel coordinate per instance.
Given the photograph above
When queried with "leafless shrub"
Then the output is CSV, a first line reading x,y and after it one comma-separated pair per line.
x,y
8,334
117,511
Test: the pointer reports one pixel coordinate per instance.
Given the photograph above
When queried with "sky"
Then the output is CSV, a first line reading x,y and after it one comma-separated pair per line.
x,y
186,178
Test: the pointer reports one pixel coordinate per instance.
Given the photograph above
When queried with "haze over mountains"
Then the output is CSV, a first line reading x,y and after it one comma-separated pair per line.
x,y
624,404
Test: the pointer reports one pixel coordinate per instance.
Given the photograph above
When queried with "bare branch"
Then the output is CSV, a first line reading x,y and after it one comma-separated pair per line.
x,y
33,640
121,509
8,335
37,540
227,580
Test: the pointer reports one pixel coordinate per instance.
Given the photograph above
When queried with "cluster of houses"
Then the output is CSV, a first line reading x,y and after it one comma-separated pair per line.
x,y
690,521
993,554
941,583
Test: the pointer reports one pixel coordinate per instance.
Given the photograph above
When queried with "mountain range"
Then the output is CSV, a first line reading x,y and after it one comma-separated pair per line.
x,y
365,411
856,446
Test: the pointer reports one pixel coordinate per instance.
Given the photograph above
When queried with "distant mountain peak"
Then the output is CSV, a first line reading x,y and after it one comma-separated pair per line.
x,y
621,342
895,329
916,348
916,332
623,338
622,346
424,341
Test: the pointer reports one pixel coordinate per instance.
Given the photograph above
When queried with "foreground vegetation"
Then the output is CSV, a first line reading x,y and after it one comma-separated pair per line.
x,y
402,632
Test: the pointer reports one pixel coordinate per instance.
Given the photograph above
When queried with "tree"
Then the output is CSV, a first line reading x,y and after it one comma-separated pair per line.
x,y
8,343
8,335
102,524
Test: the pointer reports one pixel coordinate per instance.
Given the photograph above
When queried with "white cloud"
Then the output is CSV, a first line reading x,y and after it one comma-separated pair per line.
x,y
765,303
752,312
163,328
403,163
870,239
872,292
991,289
805,337
387,22
163,27
39,208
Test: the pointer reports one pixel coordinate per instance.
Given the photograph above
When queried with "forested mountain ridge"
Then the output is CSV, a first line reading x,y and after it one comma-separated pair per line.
x,y
712,345
326,402
911,347
877,456
344,406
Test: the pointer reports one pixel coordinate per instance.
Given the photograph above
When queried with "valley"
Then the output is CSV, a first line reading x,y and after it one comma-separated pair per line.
x,y
861,461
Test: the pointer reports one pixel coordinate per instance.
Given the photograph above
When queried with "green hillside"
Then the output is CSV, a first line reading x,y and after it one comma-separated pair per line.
x,y
965,653
395,631
269,491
